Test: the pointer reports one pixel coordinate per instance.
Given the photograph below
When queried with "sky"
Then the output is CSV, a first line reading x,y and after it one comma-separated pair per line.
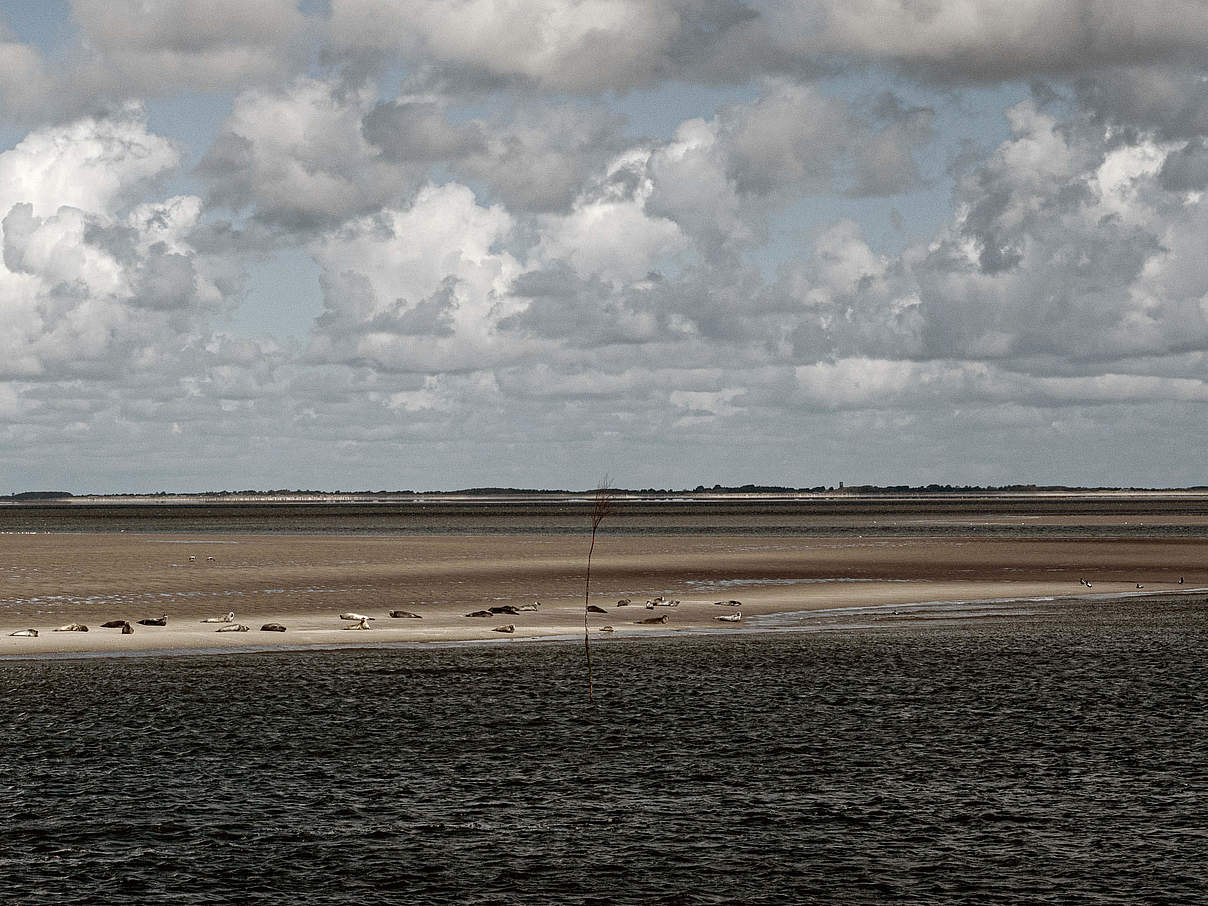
x,y
436,244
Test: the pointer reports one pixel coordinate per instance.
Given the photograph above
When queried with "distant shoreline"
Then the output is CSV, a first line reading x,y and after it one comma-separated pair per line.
x,y
504,496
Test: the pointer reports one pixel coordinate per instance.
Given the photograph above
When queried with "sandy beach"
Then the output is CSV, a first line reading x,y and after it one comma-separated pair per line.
x,y
305,582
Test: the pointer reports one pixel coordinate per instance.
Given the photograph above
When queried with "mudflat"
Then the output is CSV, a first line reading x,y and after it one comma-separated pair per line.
x,y
305,581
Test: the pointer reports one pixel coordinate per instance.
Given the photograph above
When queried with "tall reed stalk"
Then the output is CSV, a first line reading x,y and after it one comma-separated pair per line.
x,y
603,506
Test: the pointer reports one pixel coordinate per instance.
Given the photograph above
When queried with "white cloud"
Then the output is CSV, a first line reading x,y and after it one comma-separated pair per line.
x,y
418,289
558,45
94,164
297,157
200,46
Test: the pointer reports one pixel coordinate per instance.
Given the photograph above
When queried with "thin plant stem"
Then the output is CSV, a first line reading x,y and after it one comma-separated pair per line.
x,y
601,509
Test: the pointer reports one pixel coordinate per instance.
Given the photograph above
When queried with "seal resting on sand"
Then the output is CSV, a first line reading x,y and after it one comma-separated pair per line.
x,y
113,624
592,608
364,624
154,621
405,614
229,618
606,629
506,608
662,619
272,627
480,613
508,628
354,617
234,627
733,617
536,605
25,633
624,602
73,627
127,629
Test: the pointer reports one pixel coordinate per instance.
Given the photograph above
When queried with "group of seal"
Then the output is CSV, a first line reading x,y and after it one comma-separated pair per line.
x,y
363,621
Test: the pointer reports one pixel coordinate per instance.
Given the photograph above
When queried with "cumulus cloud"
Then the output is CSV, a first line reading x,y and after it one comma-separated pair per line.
x,y
216,44
552,45
991,40
94,281
297,157
95,164
418,289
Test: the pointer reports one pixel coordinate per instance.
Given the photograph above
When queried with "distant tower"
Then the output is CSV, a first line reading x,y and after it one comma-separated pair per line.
x,y
840,486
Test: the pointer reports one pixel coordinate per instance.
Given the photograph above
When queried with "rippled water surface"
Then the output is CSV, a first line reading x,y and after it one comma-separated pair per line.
x,y
1057,757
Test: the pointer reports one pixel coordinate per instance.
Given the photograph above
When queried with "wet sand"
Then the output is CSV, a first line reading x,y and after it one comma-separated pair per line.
x,y
305,581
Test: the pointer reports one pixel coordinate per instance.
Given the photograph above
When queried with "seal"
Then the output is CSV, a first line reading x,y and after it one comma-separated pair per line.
x,y
364,624
354,617
662,619
480,613
154,621
405,614
25,633
113,624
735,617
73,627
508,628
234,627
272,627
127,629
229,618
592,608
506,608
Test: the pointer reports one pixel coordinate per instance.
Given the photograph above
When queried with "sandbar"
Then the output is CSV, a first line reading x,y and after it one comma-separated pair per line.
x,y
305,581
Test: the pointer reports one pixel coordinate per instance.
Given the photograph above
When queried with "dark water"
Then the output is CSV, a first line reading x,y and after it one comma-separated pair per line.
x,y
1176,517
1056,757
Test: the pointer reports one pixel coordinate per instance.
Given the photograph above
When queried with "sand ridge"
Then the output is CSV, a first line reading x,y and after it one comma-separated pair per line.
x,y
305,581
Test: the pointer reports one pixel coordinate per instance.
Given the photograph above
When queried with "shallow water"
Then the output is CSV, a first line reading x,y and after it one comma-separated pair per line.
x,y
985,516
1058,755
